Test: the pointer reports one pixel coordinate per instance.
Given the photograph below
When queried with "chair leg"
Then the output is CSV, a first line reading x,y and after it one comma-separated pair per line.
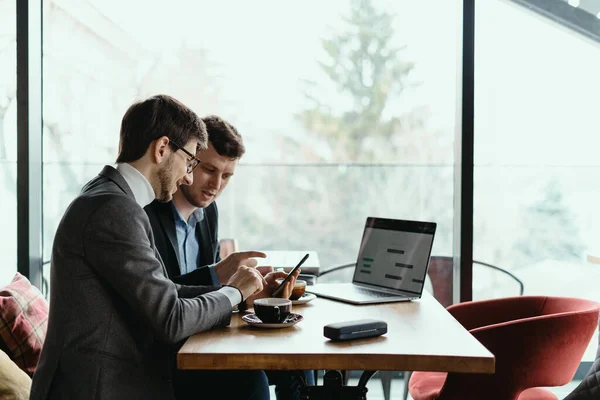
x,y
316,373
386,383
407,375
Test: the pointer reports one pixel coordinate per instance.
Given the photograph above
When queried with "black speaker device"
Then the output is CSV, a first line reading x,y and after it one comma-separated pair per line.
x,y
349,330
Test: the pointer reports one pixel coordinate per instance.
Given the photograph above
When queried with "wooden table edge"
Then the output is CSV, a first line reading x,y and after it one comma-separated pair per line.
x,y
384,362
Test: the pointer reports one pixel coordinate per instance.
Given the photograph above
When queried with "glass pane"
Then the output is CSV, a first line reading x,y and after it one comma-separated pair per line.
x,y
536,173
90,78
337,134
352,115
8,140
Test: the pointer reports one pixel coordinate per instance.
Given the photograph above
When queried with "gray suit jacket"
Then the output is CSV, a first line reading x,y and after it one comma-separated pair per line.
x,y
115,317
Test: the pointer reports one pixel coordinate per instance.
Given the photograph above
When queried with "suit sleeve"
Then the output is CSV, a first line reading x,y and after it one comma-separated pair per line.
x,y
199,276
189,291
118,243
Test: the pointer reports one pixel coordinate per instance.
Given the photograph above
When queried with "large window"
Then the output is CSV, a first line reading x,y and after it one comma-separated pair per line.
x,y
347,107
8,140
536,172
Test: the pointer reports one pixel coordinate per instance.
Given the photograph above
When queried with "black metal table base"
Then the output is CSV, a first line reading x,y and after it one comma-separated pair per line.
x,y
334,388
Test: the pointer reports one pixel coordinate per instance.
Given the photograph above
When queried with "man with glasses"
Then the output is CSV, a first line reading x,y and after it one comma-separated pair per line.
x,y
115,316
192,162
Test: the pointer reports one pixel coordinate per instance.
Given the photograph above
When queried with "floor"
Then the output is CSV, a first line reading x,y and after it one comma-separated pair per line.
x,y
376,393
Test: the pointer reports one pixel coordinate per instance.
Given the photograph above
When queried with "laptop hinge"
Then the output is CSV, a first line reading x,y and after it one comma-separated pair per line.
x,y
384,290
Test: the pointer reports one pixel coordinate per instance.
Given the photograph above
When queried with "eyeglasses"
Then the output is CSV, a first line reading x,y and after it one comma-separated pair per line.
x,y
192,162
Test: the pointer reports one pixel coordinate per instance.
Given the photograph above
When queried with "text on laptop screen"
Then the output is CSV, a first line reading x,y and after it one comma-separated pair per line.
x,y
394,254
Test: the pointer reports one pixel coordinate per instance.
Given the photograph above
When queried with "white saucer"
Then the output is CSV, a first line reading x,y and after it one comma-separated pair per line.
x,y
291,320
306,297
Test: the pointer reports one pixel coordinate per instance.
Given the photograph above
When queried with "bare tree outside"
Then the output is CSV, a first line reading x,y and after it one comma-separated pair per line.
x,y
89,87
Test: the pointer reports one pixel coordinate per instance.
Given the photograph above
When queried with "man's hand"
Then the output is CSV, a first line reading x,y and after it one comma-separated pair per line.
x,y
230,264
248,281
264,269
272,284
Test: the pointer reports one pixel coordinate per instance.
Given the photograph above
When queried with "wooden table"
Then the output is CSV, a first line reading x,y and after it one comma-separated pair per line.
x,y
422,336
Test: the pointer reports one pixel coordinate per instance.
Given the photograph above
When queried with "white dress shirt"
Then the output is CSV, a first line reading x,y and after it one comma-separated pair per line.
x,y
144,195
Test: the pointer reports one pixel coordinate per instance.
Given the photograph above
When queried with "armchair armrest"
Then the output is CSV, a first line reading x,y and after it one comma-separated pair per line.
x,y
475,314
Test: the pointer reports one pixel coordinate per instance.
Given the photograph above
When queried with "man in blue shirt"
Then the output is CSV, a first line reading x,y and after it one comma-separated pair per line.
x,y
186,231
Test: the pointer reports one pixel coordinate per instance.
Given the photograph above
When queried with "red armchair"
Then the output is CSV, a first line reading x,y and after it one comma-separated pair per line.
x,y
537,341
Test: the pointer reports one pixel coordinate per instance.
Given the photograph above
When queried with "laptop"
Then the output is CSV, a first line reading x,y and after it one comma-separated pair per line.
x,y
391,266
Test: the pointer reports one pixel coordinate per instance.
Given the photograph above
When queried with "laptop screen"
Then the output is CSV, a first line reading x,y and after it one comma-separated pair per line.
x,y
394,254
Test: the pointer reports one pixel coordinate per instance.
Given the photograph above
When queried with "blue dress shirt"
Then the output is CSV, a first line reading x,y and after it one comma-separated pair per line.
x,y
187,242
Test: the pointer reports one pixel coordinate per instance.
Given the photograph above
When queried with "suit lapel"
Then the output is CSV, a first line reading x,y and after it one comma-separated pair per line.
x,y
168,223
207,252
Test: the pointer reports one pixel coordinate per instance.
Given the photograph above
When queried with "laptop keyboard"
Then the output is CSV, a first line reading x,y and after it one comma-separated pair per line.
x,y
374,293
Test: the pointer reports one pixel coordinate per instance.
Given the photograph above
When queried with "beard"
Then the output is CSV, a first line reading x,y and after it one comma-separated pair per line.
x,y
188,193
165,182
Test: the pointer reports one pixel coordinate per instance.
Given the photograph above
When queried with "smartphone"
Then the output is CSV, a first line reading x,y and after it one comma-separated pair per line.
x,y
279,289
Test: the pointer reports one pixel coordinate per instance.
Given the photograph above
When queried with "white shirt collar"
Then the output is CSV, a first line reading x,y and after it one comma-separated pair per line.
x,y
141,188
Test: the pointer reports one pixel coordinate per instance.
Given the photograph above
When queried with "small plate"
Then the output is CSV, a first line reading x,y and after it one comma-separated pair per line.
x,y
291,320
306,297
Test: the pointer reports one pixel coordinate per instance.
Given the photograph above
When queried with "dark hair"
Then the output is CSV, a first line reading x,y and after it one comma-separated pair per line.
x,y
158,116
224,137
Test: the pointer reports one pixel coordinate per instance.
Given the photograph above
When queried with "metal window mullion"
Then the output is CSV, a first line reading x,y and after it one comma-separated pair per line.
x,y
29,139
464,163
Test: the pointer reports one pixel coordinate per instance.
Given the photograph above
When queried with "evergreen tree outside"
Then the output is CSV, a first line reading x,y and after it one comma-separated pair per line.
x,y
366,69
551,233
355,112
351,119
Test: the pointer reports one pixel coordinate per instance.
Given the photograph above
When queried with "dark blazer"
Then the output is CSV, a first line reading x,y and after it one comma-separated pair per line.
x,y
115,316
165,237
